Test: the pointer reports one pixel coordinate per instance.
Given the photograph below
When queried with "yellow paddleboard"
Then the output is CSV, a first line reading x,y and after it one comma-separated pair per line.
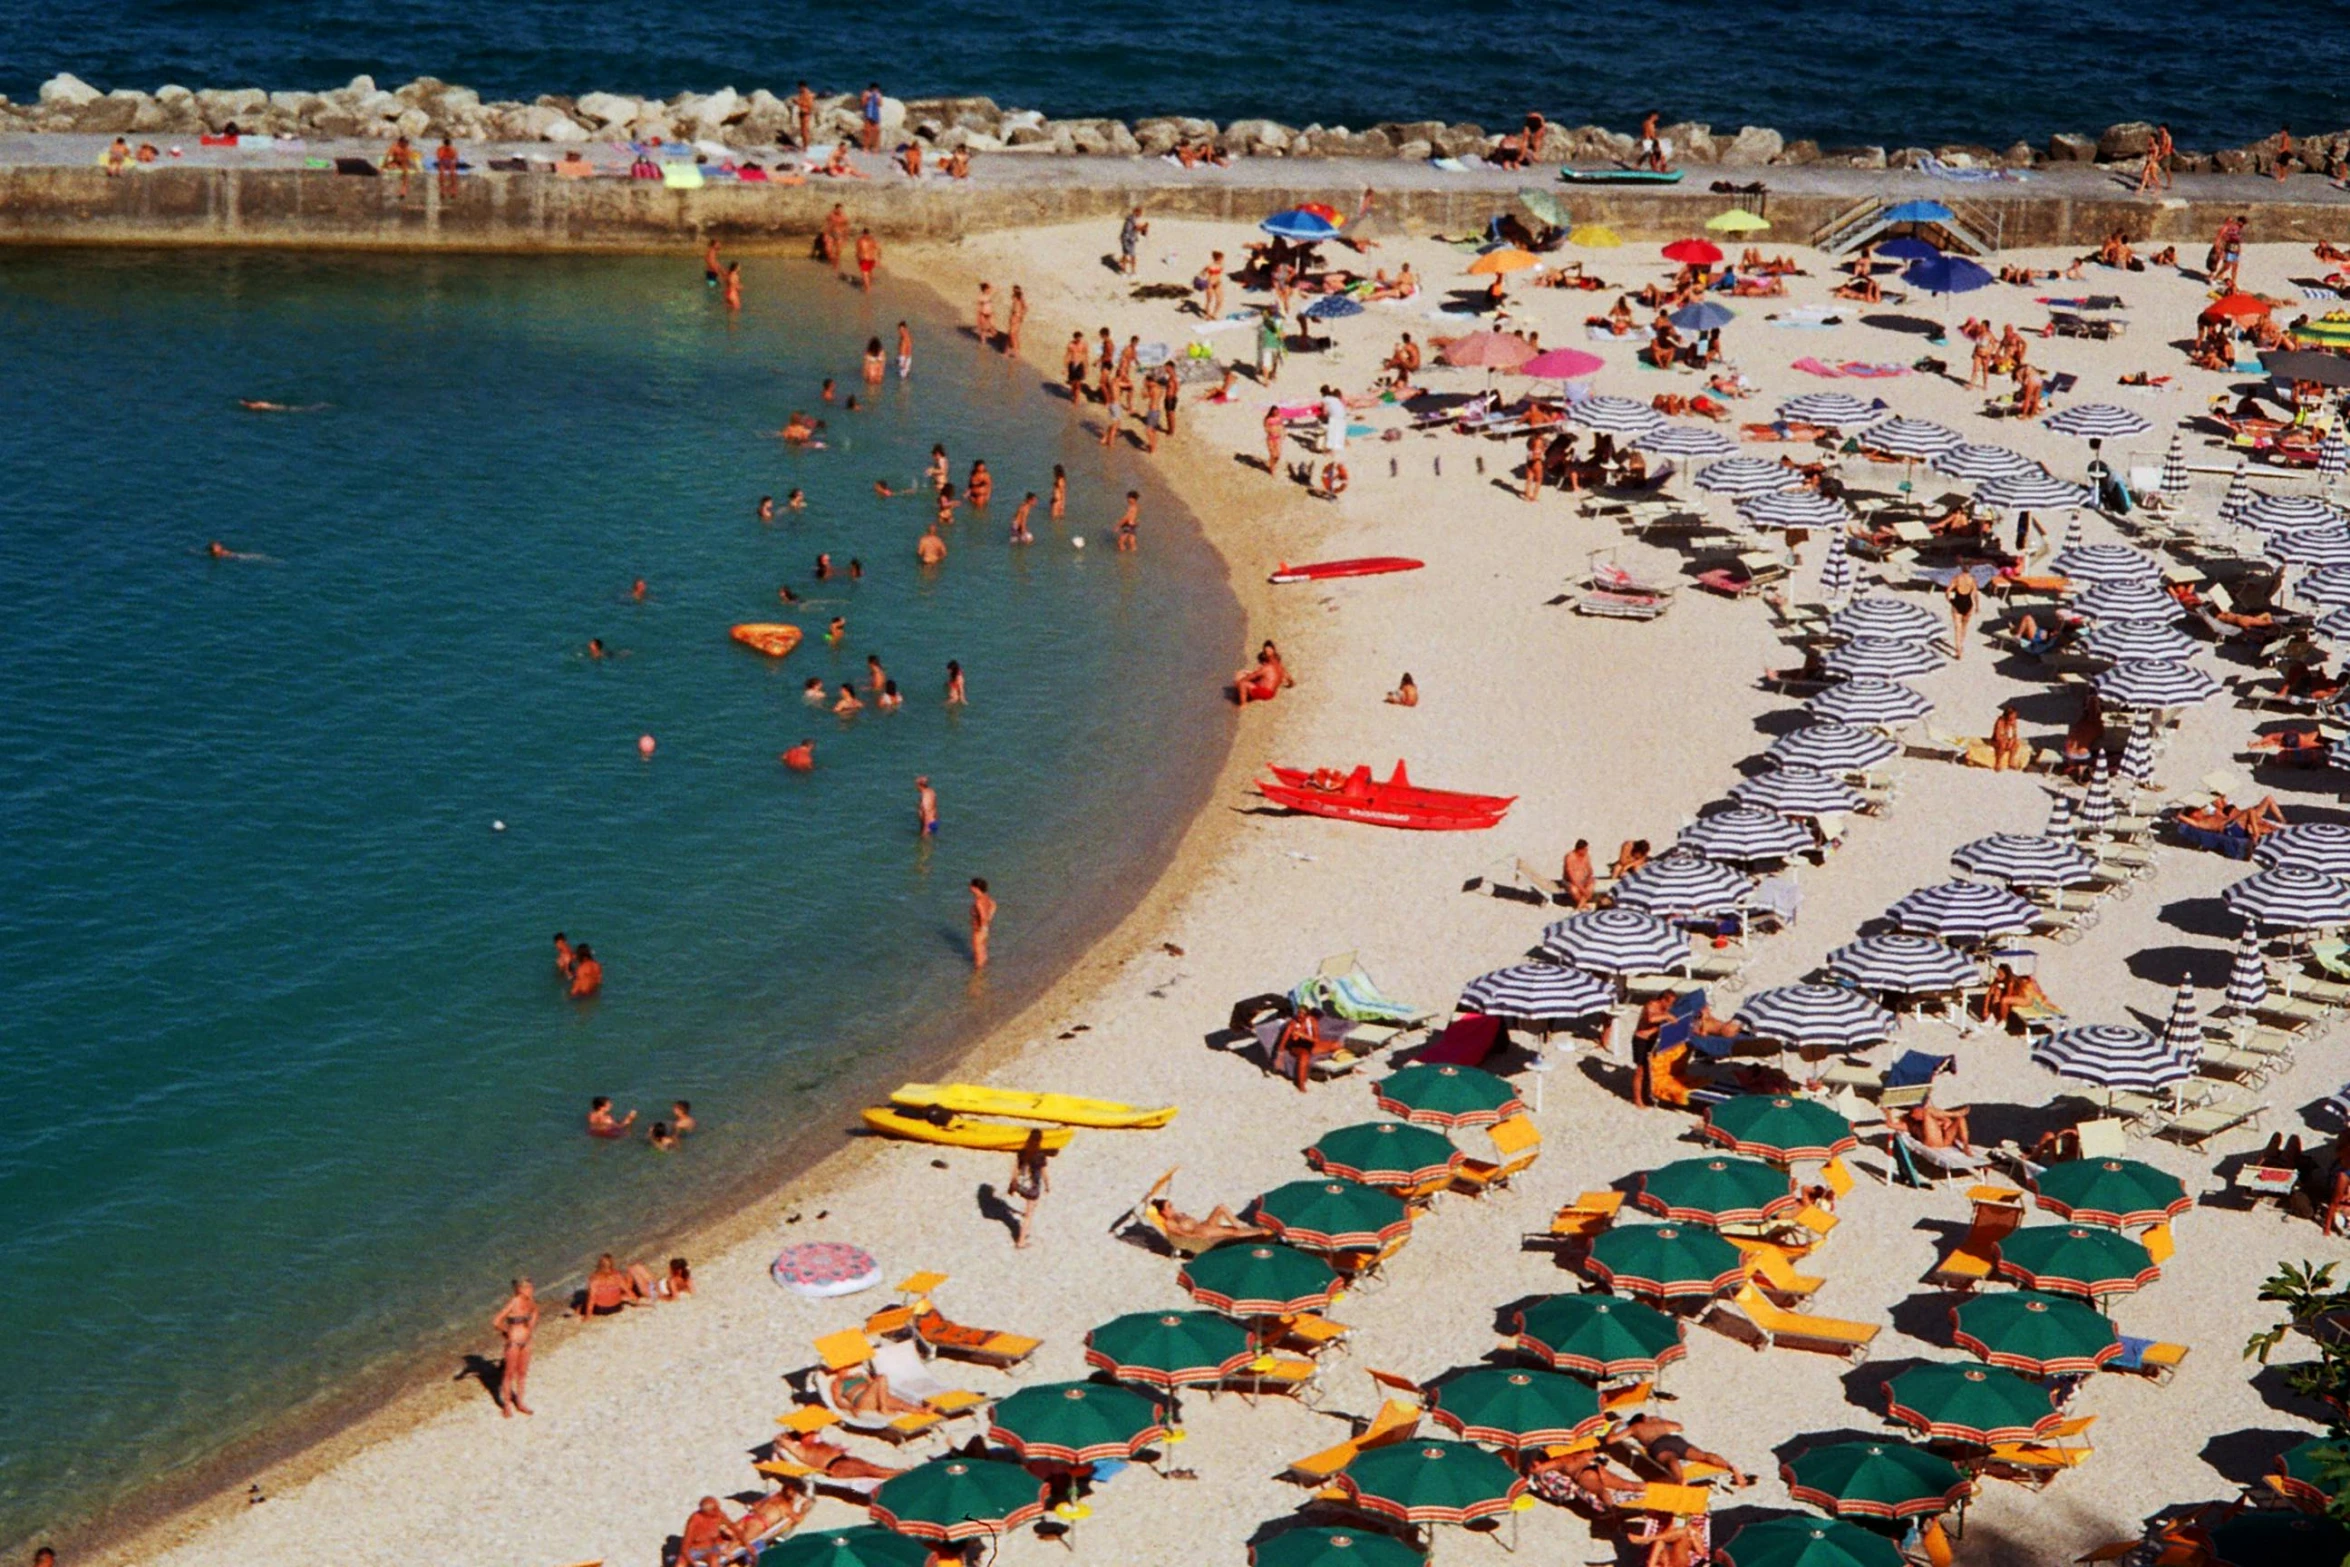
x,y
1066,1109
955,1131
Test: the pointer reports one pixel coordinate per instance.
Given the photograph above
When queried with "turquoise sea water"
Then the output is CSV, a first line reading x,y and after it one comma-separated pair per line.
x,y
293,1085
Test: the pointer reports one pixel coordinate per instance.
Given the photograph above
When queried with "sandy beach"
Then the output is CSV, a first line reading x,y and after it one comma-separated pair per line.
x,y
1605,730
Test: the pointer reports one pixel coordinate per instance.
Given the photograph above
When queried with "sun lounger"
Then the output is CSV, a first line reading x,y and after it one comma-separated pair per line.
x,y
2149,1358
1575,1226
909,1377
1341,988
1769,1267
1289,1376
1396,1421
2030,1463
983,1346
784,1470
1975,1259
1519,1143
1939,1164
846,1350
1313,1334
1800,1330
2197,1125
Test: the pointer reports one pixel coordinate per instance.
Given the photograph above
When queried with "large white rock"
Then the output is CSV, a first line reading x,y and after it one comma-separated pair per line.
x,y
610,108
68,91
541,123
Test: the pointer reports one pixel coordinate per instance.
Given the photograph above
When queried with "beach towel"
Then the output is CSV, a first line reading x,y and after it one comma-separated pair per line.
x,y
1855,367
1811,366
1600,334
2082,302
1350,996
1937,169
2319,291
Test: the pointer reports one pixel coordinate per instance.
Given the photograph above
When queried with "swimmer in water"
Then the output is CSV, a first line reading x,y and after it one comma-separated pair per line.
x,y
848,702
799,429
905,351
1060,506
956,696
946,505
787,595
636,590
599,1118
979,488
797,500
824,568
874,675
875,364
1020,533
930,549
661,1136
219,551
1128,518
595,648
587,977
710,264
882,489
562,955
856,569
936,471
734,285
925,808
851,404
824,392
813,692
837,630
766,508
681,1118
801,758
890,701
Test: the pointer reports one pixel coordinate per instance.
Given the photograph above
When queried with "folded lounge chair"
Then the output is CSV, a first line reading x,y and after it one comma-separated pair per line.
x,y
1396,1421
1519,1144
1800,1330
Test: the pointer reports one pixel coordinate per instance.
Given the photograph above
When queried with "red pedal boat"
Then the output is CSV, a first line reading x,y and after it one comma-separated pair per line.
x,y
1397,802
1362,566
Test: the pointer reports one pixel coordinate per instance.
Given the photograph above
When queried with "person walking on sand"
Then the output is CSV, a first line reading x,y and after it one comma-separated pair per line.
x,y
868,257
925,808
514,1323
1130,235
982,920
1962,594
1030,1181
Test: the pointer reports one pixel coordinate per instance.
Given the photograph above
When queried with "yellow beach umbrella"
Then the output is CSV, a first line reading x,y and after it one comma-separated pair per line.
x,y
1595,236
1737,221
1507,259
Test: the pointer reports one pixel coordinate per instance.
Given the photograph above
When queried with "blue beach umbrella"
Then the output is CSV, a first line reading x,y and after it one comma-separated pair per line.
x,y
1946,274
1908,247
1297,225
1332,306
1704,316
1918,212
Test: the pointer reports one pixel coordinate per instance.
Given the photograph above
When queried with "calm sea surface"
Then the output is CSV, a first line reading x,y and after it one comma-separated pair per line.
x,y
1895,72
293,1086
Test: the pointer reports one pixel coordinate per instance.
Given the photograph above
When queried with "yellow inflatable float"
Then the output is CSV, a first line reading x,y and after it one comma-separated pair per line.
x,y
1066,1109
772,638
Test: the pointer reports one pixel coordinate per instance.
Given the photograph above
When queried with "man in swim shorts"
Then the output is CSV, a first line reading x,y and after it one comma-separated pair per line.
x,y
925,808
708,1539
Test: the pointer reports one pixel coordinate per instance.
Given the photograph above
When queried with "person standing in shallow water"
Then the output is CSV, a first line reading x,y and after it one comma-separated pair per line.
x,y
982,920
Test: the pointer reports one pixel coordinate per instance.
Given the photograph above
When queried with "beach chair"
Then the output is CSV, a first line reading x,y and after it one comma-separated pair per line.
x,y
2037,1462
2152,1359
1769,1267
845,1351
981,1346
1800,1330
1975,1259
1519,1144
1314,1334
1341,988
1396,1421
2107,1137
1574,1226
1628,1396
1935,1165
909,1377
1288,1376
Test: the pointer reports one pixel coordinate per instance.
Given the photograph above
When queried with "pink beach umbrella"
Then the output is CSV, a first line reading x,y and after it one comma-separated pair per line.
x,y
1492,350
1562,364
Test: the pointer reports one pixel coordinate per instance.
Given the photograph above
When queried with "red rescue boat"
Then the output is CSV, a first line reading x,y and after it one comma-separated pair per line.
x,y
1361,566
1396,802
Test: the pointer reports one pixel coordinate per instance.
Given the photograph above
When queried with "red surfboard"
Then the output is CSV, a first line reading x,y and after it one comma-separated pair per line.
x,y
1363,566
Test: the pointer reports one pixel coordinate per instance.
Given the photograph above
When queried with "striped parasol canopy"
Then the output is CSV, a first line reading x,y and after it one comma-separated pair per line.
x,y
2247,974
958,1498
2097,421
1616,941
1076,1422
2025,860
2174,467
2030,492
2240,492
1976,460
1779,1128
1791,1539
1913,438
1839,410
2097,811
1665,1261
1616,415
1169,1348
1869,699
1887,658
2119,1193
1798,791
2038,1335
2125,640
1834,1017
1323,1214
1261,1278
1744,834
1428,1093
2060,816
1964,911
2182,1031
1384,1153
1904,965
1891,619
2329,586
2334,623
1875,1480
2155,683
1832,748
1955,1402
2333,457
1794,509
1515,1408
2137,763
1717,1189
2072,530
1836,568
2128,601
2110,1056
2310,547
2323,847
1430,1480
1686,440
1599,1335
1536,993
2289,514
2076,1259
2287,897
1682,884
2106,563
1735,476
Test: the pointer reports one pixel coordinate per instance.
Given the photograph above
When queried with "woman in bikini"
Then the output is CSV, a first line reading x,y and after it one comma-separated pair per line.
x,y
829,1459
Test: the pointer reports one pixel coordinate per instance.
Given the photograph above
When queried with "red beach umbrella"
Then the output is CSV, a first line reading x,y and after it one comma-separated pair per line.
x,y
1693,252
2236,307
1326,213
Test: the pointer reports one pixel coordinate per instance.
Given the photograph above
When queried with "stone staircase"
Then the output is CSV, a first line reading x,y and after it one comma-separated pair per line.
x,y
1973,227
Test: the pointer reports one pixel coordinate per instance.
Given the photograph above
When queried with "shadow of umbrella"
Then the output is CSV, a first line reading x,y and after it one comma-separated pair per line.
x,y
1916,326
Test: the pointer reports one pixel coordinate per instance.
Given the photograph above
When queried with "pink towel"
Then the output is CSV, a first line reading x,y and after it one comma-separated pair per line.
x,y
1811,366
1873,372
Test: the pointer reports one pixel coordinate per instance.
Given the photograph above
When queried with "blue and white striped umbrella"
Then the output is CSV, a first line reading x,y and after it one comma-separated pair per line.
x,y
2137,763
2174,467
2247,975
2106,563
2182,1031
2025,860
1617,415
1686,440
1682,884
2155,683
1794,509
1831,1017
1831,747
1616,941
2289,514
1836,568
2062,816
2030,492
2327,587
1744,834
2072,530
2097,801
2333,457
1536,993
1840,410
2310,547
1888,658
2286,897
2126,640
2128,601
1964,911
1912,438
2099,421
2323,847
2239,495
1746,476
1904,965
1890,619
1797,791
2339,753
1869,699
1977,460
2111,1056
2334,623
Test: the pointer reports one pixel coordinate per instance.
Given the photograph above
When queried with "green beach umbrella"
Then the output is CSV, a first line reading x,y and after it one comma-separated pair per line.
x,y
1076,1422
1545,207
2302,1472
2112,1191
1259,1279
1431,1481
1600,1335
1779,1127
1514,1408
864,1545
1874,1480
2039,1335
1665,1259
1169,1348
959,1499
2076,1259
1327,1215
2275,1539
1385,1153
1793,1540
1961,1403
1717,1189
1448,1096
1333,1548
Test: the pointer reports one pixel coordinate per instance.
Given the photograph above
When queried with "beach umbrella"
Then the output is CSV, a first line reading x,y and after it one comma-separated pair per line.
x,y
2333,455
2036,1334
1744,834
2128,601
2025,860
2287,897
1735,476
1836,568
1076,1422
1798,791
1834,1017
2060,815
2323,847
1296,223
2111,1056
2174,466
1977,460
1334,1547
1260,1279
1545,206
1704,316
1599,1335
1834,748
2334,623
1912,438
2235,306
2328,586
1737,221
1679,884
2247,974
1791,1540
2305,364
1562,364
1907,247
2155,683
2182,1031
1487,350
2339,753
1451,1096
1964,911
2279,1539
2239,493
1794,509
2076,1259
1942,274
860,1545
1693,252
1429,1480
2139,640
1781,1128
1616,415
2310,547
1888,658
1875,1480
1869,699
1616,941
1665,1260
1917,212
1904,965
1595,236
959,1498
1328,1215
2331,330
1332,307
2072,530
1515,1407
1536,993
1497,263
1686,440
2288,514
1384,1153
2116,1192
1169,1348
1837,409
2097,421
1717,1190
2029,492
2301,1470
2097,811
1889,618
1954,1402
2105,563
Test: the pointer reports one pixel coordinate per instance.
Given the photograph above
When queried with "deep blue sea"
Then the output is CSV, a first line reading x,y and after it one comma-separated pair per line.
x,y
292,1086
1896,72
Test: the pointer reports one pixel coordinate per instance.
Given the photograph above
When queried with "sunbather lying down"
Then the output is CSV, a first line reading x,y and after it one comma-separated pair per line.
x,y
1660,1441
1584,1479
1182,1230
863,1391
2258,820
829,1458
